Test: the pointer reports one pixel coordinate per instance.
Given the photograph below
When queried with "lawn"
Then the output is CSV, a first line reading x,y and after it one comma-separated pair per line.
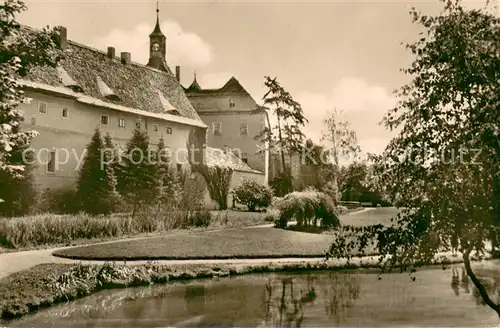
x,y
227,244
235,243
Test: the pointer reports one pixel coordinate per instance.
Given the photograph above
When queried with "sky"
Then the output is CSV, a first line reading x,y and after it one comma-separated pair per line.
x,y
327,54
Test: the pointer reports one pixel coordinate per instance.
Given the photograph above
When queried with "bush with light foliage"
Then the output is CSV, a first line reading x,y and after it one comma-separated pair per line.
x,y
308,207
252,194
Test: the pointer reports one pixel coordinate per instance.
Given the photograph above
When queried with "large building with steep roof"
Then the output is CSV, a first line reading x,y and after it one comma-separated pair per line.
x,y
95,89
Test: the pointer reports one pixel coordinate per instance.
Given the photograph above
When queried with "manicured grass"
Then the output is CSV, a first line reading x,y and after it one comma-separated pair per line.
x,y
236,243
50,230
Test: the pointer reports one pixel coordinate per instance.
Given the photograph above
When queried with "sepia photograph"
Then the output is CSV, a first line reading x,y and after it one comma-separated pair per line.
x,y
250,163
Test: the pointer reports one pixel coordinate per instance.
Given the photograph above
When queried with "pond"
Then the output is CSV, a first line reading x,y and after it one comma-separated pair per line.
x,y
436,297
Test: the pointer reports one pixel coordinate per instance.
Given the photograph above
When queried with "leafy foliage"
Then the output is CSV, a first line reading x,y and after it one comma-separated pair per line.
x,y
282,183
253,194
307,208
20,50
18,191
443,166
317,170
342,140
58,201
96,184
218,179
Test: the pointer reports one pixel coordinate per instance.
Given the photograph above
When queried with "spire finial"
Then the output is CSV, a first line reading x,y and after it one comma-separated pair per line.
x,y
195,75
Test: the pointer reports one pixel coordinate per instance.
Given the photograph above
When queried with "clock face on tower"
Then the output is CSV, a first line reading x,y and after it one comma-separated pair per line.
x,y
156,47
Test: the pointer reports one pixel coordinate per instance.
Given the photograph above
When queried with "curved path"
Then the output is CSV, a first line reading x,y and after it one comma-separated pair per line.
x,y
19,261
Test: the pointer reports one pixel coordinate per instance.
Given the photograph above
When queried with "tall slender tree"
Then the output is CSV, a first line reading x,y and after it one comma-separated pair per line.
x,y
286,137
342,141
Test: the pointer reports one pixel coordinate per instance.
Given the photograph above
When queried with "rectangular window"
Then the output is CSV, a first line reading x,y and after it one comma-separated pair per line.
x,y
244,158
104,119
121,122
42,108
51,163
217,128
65,112
33,121
169,130
155,127
243,129
179,168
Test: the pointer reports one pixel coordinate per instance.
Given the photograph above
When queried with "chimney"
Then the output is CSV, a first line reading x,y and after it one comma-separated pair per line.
x,y
125,58
111,52
63,37
178,73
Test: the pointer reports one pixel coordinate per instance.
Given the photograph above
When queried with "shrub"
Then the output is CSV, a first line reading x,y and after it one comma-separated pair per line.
x,y
193,191
253,194
307,208
59,201
199,218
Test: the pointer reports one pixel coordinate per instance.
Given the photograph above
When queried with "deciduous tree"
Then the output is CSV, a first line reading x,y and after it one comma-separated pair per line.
x,y
20,50
342,141
443,167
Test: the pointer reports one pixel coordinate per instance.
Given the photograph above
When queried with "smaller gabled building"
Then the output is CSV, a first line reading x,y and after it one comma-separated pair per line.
x,y
230,114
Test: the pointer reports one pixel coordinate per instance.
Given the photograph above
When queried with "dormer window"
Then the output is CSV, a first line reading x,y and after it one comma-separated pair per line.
x,y
67,81
173,112
106,91
167,107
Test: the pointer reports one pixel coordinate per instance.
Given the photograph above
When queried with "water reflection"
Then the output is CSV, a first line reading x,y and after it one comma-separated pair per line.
x,y
323,299
489,277
288,299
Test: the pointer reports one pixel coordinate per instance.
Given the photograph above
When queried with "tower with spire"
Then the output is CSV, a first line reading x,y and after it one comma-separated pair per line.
x,y
157,46
194,86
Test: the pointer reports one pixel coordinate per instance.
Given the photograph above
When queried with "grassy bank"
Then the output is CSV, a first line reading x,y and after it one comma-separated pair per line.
x,y
45,285
50,230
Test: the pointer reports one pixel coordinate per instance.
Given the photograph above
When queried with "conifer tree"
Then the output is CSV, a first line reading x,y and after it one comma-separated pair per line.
x,y
170,189
112,150
137,174
96,183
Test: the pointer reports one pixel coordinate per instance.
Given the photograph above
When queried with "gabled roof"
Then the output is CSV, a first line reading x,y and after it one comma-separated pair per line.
x,y
220,100
233,86
135,86
217,157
